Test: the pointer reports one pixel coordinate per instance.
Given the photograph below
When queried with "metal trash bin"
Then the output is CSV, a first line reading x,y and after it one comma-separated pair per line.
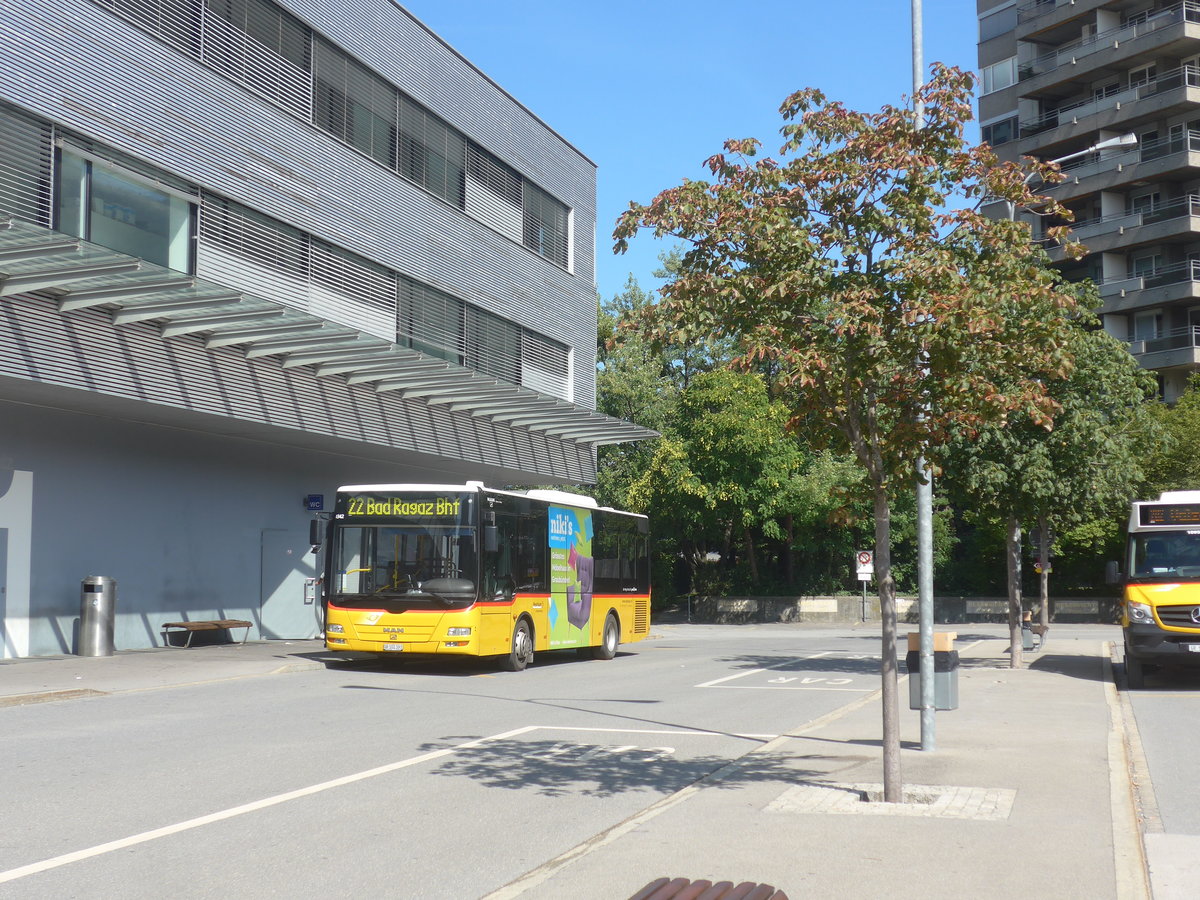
x,y
945,671
97,615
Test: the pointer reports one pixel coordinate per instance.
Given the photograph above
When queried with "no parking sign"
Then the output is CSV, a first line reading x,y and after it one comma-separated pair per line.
x,y
864,561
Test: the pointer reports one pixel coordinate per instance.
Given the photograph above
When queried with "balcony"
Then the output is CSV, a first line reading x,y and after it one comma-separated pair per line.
x,y
1169,89
1041,16
1164,285
1179,347
1084,55
1147,226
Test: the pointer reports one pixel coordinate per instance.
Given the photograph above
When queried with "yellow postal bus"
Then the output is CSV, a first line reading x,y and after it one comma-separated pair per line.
x,y
1160,612
424,569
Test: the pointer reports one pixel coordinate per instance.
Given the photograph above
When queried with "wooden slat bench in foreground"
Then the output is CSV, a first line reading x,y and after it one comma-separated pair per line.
x,y
191,628
683,889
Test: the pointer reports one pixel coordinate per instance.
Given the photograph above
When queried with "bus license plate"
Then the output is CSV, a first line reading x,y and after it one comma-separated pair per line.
x,y
399,647
1192,648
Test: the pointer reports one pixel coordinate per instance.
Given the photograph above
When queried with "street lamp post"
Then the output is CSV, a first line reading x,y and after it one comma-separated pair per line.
x,y
1125,140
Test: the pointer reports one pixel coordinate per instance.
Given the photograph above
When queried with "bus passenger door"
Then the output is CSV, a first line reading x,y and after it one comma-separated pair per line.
x,y
496,591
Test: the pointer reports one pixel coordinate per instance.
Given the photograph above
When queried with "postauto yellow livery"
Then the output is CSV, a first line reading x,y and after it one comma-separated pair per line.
x,y
1160,612
465,570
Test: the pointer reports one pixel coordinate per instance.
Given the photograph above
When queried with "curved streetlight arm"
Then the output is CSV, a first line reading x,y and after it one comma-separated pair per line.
x,y
1125,140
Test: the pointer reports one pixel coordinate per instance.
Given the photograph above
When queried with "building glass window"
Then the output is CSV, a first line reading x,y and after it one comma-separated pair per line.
x,y
545,225
1000,75
101,205
1146,325
997,23
997,133
1142,75
353,103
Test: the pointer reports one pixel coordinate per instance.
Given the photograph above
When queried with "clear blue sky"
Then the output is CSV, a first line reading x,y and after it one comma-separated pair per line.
x,y
649,89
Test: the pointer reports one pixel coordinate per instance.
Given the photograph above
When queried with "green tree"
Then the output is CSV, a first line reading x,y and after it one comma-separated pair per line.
x,y
1059,479
1172,461
839,265
720,475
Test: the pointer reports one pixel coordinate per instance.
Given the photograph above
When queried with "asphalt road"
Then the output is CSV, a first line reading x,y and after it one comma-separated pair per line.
x,y
424,780
1168,719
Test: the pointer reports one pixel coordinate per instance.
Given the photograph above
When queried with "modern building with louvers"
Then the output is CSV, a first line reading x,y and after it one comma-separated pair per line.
x,y
249,251
1112,89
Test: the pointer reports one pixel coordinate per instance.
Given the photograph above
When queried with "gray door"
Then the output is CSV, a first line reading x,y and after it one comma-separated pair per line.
x,y
287,564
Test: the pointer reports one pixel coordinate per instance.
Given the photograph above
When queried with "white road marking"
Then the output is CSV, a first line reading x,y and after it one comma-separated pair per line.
x,y
168,830
789,688
221,815
786,662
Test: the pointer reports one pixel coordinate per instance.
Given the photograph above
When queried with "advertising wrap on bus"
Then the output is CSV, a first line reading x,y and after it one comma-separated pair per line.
x,y
461,569
1160,610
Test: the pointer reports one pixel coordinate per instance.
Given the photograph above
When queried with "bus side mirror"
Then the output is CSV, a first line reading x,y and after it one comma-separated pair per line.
x,y
316,534
491,539
1112,572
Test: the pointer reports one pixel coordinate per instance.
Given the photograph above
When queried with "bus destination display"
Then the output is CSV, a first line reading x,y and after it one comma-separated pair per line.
x,y
1168,514
357,506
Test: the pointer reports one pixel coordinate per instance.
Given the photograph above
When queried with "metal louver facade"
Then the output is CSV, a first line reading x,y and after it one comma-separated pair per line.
x,y
250,250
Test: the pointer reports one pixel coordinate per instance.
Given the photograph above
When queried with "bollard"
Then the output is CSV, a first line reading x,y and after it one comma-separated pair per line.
x,y
97,613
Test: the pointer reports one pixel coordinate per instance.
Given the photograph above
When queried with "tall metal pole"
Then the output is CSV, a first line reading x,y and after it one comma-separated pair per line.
x,y
924,478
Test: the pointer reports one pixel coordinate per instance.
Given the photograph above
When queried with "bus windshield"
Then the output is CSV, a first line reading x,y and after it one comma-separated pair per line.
x,y
373,563
1165,555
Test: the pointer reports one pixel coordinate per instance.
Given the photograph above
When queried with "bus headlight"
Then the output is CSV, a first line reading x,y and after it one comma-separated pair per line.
x,y
1139,612
458,632
335,629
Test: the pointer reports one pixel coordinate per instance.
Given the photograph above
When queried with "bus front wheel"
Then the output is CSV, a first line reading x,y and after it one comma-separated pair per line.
x,y
608,642
521,654
1135,672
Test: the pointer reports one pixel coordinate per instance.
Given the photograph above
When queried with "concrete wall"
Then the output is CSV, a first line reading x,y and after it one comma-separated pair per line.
x,y
190,525
847,609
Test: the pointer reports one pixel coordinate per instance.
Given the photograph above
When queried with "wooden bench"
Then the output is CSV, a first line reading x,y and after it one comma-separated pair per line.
x,y
683,889
191,628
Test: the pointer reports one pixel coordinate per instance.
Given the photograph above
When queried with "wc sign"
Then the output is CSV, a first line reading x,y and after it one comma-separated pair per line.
x,y
864,563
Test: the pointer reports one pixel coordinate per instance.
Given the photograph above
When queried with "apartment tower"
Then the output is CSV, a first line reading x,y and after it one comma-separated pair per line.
x,y
1111,89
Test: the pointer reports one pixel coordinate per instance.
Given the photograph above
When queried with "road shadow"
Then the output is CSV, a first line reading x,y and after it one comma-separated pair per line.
x,y
1165,678
859,664
1086,668
568,768
459,666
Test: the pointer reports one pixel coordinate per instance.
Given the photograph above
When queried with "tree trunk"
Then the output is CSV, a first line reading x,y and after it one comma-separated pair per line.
x,y
893,787
789,559
1012,544
751,558
1044,577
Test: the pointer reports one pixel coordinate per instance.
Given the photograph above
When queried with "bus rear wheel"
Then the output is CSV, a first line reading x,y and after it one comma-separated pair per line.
x,y
609,640
521,654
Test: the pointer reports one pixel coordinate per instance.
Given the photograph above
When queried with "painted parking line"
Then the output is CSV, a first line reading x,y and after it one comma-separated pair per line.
x,y
792,682
786,662
267,802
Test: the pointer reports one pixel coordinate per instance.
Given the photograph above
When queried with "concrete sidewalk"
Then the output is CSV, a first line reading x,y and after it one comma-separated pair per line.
x,y
47,678
1027,793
